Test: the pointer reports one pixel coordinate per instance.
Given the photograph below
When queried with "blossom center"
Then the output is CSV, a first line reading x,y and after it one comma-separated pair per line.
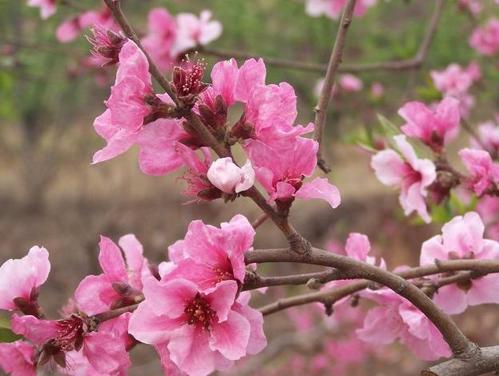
x,y
199,312
70,333
223,274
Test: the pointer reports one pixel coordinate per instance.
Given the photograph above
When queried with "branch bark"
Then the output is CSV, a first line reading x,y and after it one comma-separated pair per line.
x,y
332,67
461,346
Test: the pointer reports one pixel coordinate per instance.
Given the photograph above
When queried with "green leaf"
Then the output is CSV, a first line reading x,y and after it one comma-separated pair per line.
x,y
6,334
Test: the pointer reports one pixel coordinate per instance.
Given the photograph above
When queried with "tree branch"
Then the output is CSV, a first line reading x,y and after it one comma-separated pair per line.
x,y
332,67
459,344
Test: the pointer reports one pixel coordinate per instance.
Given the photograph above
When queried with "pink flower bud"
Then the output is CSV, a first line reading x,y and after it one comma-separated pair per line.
x,y
229,178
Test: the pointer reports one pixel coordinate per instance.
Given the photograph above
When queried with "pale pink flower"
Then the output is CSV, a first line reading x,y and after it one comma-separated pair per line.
x,y
409,173
489,138
193,31
202,330
377,90
281,168
103,349
350,83
68,30
21,278
462,238
159,40
455,80
333,8
472,6
123,123
434,127
484,172
47,7
120,283
230,178
395,318
485,39
18,358
488,208
209,255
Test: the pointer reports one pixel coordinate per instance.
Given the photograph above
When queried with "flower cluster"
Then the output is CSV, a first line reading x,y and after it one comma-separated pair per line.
x,y
485,39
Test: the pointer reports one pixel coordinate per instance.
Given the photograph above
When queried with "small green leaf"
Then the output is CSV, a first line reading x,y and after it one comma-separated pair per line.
x,y
6,334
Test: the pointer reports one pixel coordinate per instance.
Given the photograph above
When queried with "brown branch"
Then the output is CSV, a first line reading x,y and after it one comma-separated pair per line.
x,y
459,344
260,220
485,360
332,67
112,314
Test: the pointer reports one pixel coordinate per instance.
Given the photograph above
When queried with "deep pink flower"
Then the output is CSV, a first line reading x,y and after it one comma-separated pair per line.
x,y
208,255
123,123
120,283
484,172
18,358
230,178
103,349
47,7
281,168
202,330
333,8
193,31
485,39
412,175
435,128
106,45
21,278
462,238
395,318
161,33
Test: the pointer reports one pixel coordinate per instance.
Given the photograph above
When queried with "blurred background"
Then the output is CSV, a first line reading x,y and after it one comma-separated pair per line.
x,y
50,195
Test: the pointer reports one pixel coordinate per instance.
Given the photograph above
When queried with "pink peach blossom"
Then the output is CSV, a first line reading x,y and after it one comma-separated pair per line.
x,y
18,358
485,39
193,31
208,255
21,278
488,208
281,168
472,6
377,90
484,172
229,178
68,30
47,7
435,128
202,330
162,31
102,349
462,238
488,134
412,175
350,83
122,124
455,80
120,282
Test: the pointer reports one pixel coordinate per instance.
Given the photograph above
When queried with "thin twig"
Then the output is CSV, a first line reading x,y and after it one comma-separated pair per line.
x,y
260,220
332,67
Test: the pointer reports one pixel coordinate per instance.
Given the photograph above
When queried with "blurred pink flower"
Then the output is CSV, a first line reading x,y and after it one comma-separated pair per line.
x,y
485,39
120,283
462,238
412,175
488,134
47,7
333,8
202,330
69,29
472,6
21,278
209,255
434,127
484,172
193,31
455,80
230,178
18,358
281,168
395,318
160,37
377,90
350,83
